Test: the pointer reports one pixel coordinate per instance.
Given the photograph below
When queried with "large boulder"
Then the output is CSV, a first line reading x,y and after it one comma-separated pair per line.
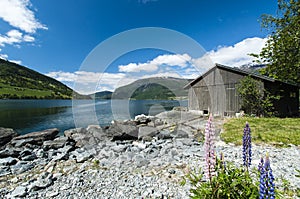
x,y
57,143
6,135
36,138
122,131
85,137
147,131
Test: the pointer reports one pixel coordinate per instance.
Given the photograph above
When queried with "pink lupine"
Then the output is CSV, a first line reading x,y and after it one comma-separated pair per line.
x,y
210,157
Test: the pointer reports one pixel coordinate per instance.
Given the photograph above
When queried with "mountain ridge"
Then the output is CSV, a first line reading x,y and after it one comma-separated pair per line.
x,y
20,82
153,88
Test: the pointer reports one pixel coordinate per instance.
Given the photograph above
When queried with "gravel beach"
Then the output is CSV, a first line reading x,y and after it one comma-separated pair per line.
x,y
143,158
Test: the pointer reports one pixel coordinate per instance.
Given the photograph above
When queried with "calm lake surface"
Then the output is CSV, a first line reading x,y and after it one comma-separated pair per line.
x,y
26,116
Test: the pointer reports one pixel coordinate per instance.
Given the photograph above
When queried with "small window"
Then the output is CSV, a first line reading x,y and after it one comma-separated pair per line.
x,y
292,94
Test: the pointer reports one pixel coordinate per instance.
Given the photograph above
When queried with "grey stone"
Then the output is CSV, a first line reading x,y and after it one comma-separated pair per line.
x,y
52,153
36,138
119,148
83,155
29,157
84,137
21,167
164,134
42,182
120,131
10,152
4,170
140,160
57,143
6,134
41,153
79,135
19,191
147,131
71,132
187,142
66,149
52,194
177,133
22,142
96,131
173,152
60,156
8,161
25,152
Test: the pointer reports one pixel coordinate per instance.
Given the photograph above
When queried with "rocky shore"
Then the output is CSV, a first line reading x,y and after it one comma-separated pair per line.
x,y
142,158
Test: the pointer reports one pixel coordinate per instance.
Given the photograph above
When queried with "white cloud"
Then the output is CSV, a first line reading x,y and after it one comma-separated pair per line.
x,y
16,61
12,37
18,14
238,54
172,60
163,74
133,67
3,56
28,38
153,65
89,82
203,63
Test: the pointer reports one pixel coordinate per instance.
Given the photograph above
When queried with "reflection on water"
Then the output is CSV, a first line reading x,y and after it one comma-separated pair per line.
x,y
24,118
34,115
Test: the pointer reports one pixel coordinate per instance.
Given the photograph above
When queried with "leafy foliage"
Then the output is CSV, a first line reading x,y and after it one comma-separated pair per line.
x,y
255,100
229,182
282,50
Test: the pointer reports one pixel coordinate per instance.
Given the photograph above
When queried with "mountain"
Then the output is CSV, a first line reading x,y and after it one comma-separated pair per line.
x,y
19,82
102,95
153,88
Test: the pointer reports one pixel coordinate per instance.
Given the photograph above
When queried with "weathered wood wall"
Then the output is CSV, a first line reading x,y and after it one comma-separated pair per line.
x,y
217,93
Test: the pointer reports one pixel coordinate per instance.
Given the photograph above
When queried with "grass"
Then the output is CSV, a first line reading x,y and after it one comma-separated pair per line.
x,y
273,131
26,92
6,89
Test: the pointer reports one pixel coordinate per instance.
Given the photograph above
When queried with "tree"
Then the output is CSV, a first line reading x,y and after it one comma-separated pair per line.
x,y
282,50
255,100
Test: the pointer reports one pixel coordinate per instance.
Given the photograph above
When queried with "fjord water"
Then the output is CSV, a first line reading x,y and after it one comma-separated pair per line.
x,y
27,116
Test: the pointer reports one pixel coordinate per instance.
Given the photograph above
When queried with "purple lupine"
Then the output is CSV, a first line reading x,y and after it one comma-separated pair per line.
x,y
210,157
261,164
267,186
247,146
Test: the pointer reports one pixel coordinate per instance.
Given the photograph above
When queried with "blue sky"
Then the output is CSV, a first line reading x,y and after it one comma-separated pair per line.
x,y
54,37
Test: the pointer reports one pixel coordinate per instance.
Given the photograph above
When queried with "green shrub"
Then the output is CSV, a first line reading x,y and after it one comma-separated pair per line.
x,y
229,182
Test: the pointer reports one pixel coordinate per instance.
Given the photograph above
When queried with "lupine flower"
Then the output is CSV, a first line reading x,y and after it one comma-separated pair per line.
x,y
267,186
210,158
247,146
261,164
